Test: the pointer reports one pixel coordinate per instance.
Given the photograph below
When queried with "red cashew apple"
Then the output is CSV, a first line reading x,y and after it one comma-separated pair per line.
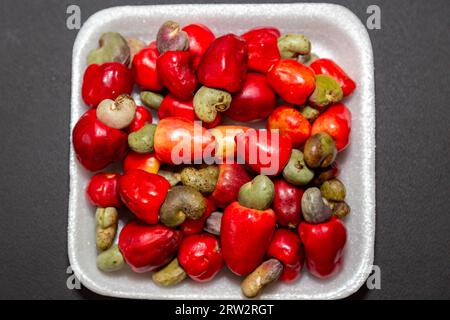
x,y
324,244
263,50
287,203
142,117
332,69
337,122
143,193
231,177
141,161
291,123
254,101
200,256
177,74
144,69
178,140
200,37
265,152
96,145
286,248
293,81
146,248
102,190
105,81
190,226
225,142
224,64
245,235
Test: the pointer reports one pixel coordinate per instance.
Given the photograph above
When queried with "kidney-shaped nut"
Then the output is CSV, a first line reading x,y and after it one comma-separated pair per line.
x,y
213,223
339,209
292,45
296,171
325,174
106,227
209,101
182,202
135,46
173,177
117,114
170,37
112,48
268,272
333,190
170,275
310,113
110,260
313,206
141,141
257,194
151,99
327,92
307,59
204,180
320,150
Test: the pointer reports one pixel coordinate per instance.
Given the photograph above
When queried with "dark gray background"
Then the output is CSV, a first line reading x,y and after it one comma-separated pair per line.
x,y
413,138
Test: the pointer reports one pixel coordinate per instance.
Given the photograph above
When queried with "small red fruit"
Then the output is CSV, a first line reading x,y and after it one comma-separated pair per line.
x,y
144,69
263,50
287,203
142,117
102,190
200,37
291,123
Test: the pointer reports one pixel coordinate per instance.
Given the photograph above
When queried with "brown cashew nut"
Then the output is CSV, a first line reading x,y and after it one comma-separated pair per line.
x,y
209,101
106,227
117,114
170,275
170,37
268,272
135,46
182,202
112,48
204,180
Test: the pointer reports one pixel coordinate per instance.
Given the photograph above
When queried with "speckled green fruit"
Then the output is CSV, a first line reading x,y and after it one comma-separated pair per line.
x,y
327,92
320,150
296,171
151,99
173,177
170,275
110,260
112,48
141,141
209,101
333,190
106,227
204,180
257,194
310,113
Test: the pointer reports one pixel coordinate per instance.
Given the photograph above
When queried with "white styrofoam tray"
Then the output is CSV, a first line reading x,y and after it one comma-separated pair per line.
x,y
336,33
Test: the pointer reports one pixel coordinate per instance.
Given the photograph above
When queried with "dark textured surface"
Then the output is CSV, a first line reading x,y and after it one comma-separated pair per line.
x,y
413,140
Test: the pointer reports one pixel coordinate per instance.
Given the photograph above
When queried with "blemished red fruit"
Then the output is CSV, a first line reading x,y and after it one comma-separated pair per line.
x,y
263,50
332,69
337,122
102,190
287,203
147,248
200,256
291,123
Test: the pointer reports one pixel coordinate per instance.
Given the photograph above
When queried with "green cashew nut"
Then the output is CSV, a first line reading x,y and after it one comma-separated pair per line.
x,y
151,99
296,171
292,45
170,37
182,202
257,194
110,260
327,91
314,208
204,180
112,48
170,275
141,141
333,190
320,150
209,101
310,113
308,59
173,177
106,227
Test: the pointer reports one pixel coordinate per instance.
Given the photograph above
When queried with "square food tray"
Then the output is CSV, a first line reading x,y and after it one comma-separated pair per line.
x,y
336,33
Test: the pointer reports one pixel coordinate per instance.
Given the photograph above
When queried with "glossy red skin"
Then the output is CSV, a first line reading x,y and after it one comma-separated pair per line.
x,y
224,64
254,101
141,161
324,244
194,140
293,81
105,81
96,145
145,74
286,248
231,177
142,117
101,190
177,74
200,256
337,122
332,69
143,193
287,203
263,50
245,235
146,248
291,123
200,37
190,226
256,147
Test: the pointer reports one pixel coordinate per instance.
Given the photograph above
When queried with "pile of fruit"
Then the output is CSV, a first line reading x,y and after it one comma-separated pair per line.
x,y
261,202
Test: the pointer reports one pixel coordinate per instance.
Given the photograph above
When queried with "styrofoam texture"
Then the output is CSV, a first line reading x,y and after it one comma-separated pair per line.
x,y
336,33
